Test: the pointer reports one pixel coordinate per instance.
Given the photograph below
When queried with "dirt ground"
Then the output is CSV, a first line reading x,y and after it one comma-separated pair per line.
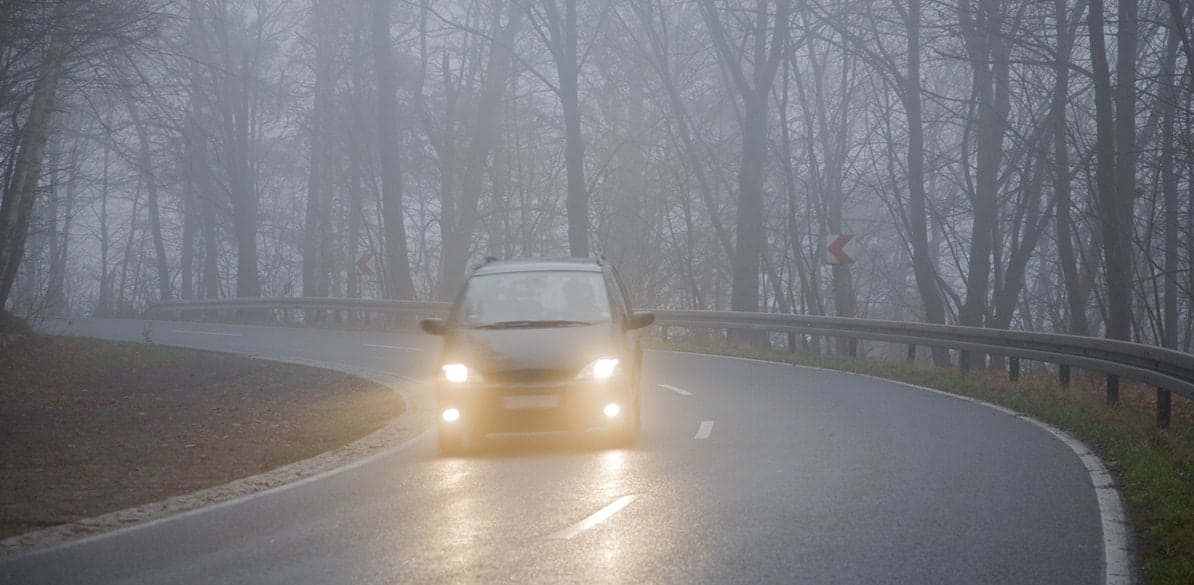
x,y
90,427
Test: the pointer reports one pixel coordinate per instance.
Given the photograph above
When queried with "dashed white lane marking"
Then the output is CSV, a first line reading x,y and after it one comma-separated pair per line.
x,y
597,518
219,333
705,430
680,391
398,347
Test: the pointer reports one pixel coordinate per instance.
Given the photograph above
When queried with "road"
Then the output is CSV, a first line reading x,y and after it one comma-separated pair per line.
x,y
746,472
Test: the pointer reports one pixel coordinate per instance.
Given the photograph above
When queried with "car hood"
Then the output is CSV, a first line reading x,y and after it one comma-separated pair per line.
x,y
550,348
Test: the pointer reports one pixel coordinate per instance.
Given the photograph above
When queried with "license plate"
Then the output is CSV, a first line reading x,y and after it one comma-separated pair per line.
x,y
530,401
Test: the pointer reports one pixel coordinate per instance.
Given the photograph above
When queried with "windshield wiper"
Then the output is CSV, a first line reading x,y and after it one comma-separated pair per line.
x,y
531,324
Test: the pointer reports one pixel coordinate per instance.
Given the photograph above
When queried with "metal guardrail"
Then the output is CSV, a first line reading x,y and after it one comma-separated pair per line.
x,y
298,303
1164,368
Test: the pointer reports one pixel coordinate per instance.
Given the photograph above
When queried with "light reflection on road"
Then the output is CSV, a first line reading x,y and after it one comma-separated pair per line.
x,y
605,557
457,534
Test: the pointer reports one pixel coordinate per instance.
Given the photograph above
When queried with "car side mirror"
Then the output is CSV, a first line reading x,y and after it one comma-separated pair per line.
x,y
639,320
433,326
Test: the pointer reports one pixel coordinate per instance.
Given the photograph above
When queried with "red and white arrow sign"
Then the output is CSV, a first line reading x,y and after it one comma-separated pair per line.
x,y
366,264
837,250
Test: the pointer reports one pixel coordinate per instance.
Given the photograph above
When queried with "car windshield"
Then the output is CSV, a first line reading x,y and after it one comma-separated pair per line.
x,y
533,299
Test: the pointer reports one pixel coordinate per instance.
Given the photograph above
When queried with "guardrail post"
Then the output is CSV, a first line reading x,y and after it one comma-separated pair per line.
x,y
1063,375
911,352
1112,390
1013,369
1163,408
964,361
663,333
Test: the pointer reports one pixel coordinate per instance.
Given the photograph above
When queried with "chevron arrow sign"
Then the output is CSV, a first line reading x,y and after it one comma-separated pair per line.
x,y
837,252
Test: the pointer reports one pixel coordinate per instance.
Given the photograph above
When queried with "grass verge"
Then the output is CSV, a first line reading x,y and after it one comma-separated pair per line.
x,y
89,427
1154,467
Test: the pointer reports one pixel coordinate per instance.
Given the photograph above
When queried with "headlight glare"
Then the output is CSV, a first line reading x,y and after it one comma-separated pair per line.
x,y
456,372
601,369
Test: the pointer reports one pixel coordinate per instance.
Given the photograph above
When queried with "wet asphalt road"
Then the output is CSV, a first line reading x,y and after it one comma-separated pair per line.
x,y
746,472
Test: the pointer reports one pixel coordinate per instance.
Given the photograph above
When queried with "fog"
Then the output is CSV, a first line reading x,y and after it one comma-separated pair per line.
x,y
999,163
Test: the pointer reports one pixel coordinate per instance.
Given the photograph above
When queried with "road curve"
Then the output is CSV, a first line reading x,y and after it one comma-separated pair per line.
x,y
746,472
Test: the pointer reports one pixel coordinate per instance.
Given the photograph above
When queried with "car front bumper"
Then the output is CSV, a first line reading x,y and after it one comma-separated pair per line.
x,y
511,408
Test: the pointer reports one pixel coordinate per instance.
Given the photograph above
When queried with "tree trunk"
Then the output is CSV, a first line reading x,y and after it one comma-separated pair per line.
x,y
399,284
103,304
988,61
186,263
317,241
922,259
61,216
1169,185
356,212
1075,292
358,154
16,208
1119,289
211,246
1116,252
243,191
122,303
568,71
755,93
145,161
194,173
748,242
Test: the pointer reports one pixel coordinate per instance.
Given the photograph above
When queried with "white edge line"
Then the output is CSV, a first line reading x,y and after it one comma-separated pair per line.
x,y
221,334
705,430
677,390
399,347
203,509
596,518
1118,547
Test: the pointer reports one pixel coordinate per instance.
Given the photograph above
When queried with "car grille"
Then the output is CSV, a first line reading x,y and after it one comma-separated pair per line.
x,y
529,376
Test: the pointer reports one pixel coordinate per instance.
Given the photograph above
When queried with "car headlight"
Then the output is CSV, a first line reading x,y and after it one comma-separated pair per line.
x,y
458,373
601,369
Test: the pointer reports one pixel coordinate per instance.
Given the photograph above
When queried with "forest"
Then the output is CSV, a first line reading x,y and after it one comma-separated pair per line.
x,y
1007,164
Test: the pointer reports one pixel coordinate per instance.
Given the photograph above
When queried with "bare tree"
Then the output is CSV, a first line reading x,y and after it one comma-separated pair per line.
x,y
1076,293
987,48
149,178
556,27
458,234
17,204
905,82
764,57
317,223
399,284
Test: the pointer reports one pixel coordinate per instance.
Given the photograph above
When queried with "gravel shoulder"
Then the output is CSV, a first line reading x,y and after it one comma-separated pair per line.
x,y
89,428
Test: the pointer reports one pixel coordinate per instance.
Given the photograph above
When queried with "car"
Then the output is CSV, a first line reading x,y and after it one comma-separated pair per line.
x,y
539,345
